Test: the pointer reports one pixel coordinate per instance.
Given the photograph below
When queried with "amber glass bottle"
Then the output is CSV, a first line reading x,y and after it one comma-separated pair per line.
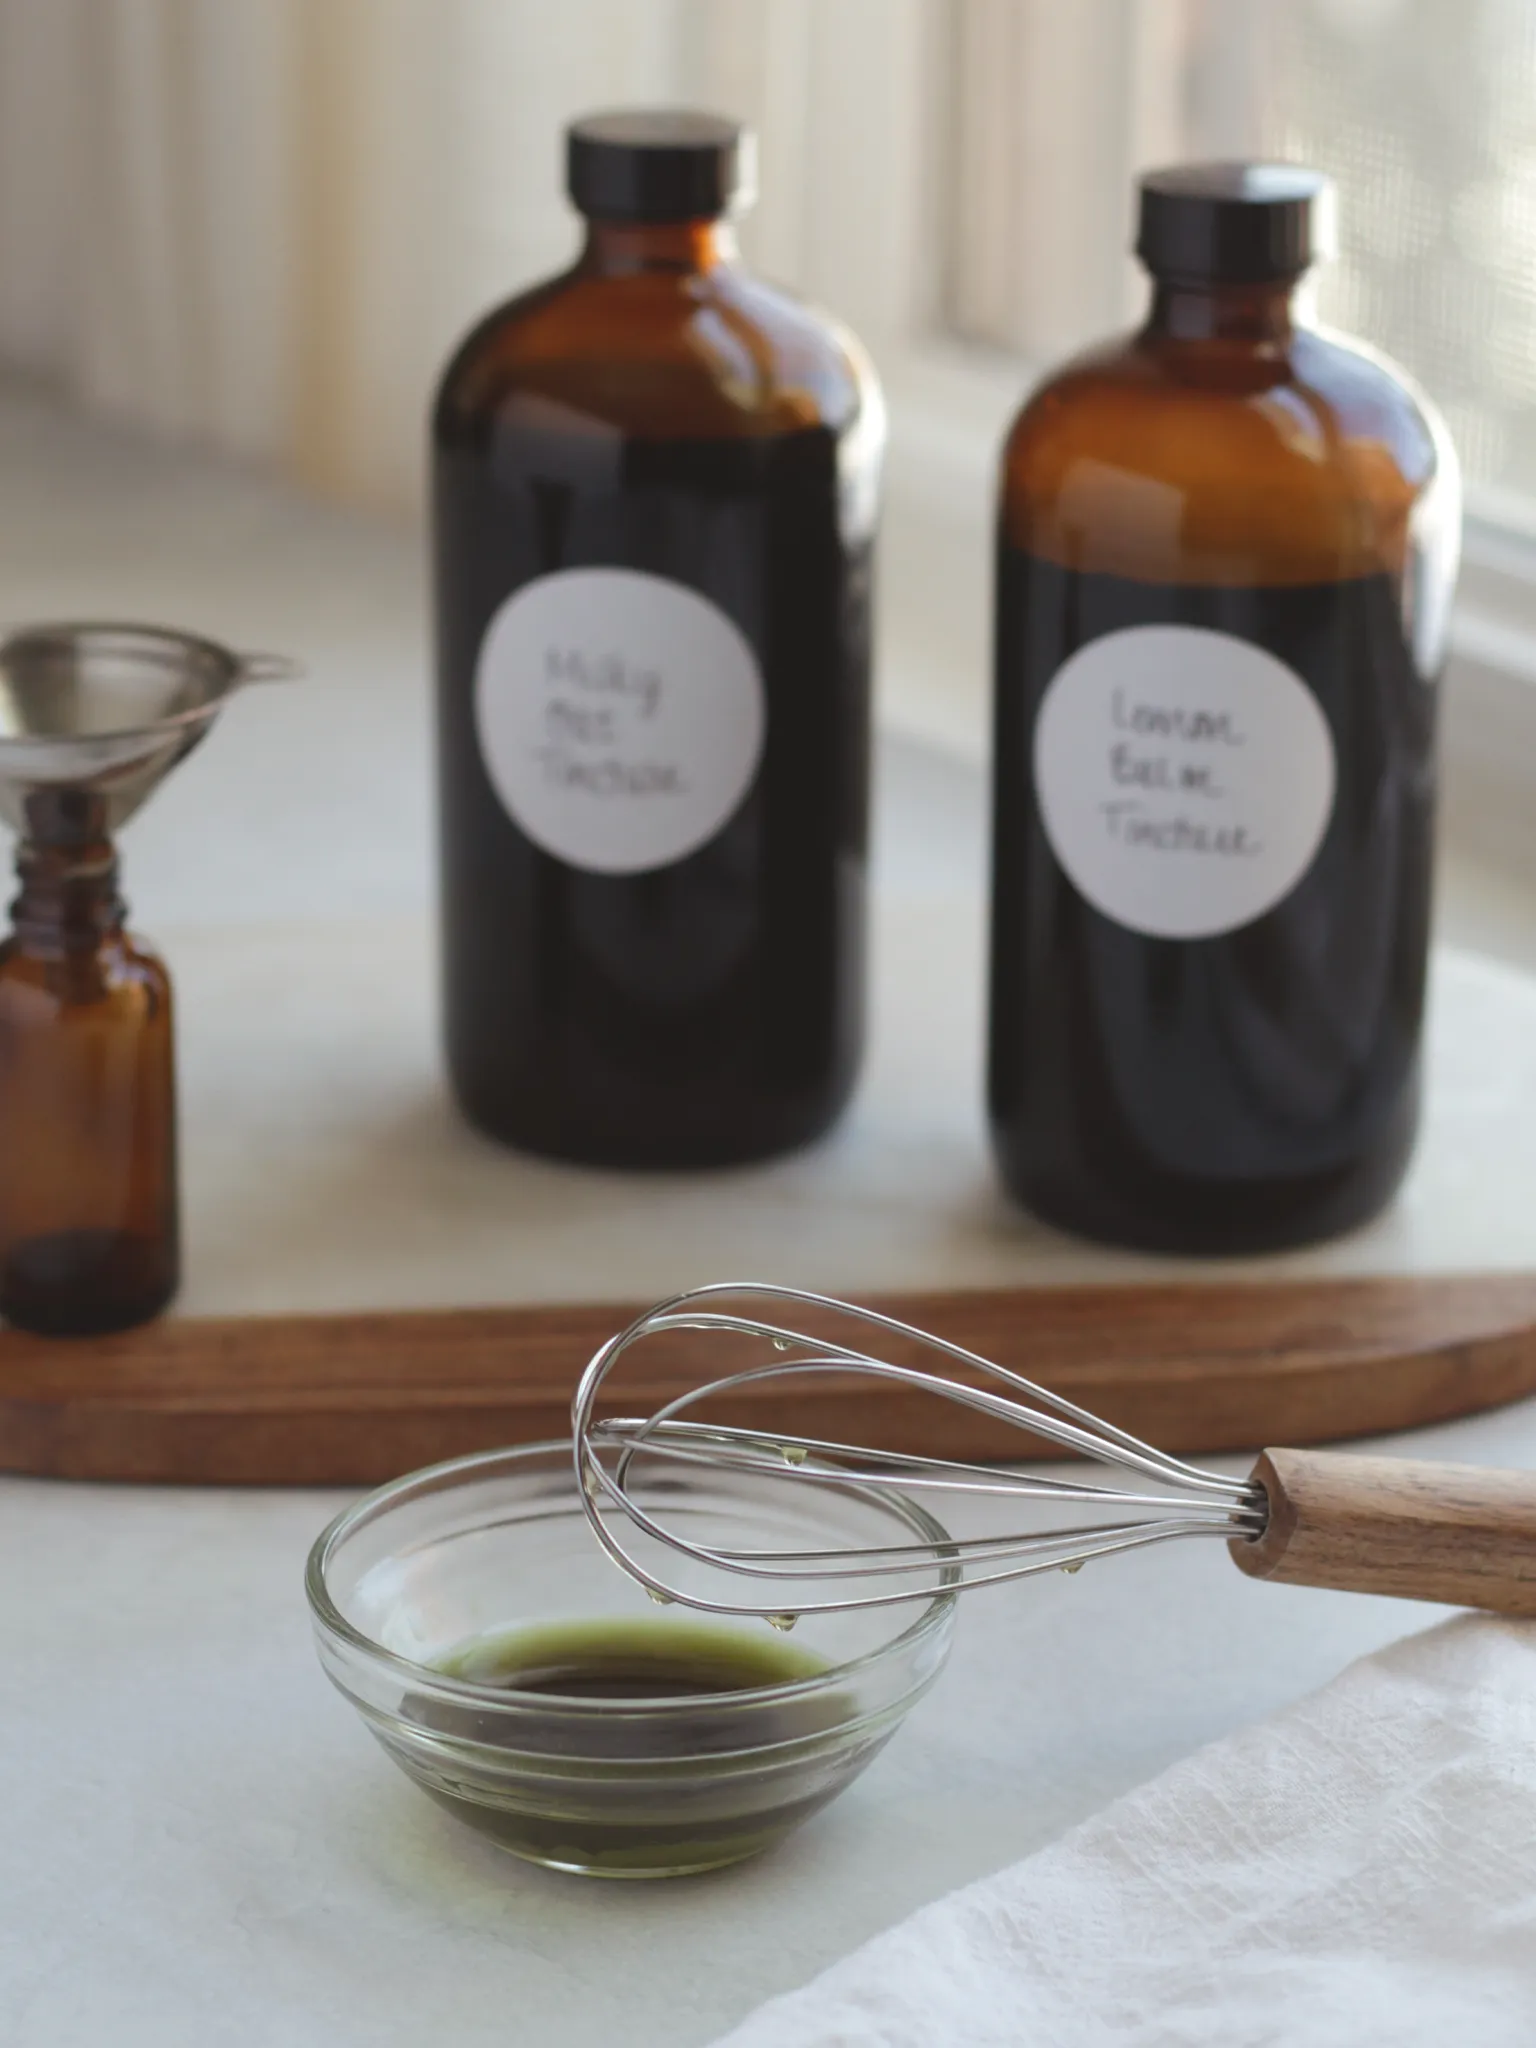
x,y
1226,551
88,1200
655,497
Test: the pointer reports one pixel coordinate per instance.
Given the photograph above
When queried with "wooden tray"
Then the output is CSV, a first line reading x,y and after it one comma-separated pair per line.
x,y
353,1399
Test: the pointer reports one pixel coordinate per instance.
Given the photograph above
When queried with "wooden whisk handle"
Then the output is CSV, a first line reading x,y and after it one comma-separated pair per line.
x,y
1454,1533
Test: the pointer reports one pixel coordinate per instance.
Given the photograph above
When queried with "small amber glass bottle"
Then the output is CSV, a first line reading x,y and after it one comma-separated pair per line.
x,y
655,498
88,1198
1226,551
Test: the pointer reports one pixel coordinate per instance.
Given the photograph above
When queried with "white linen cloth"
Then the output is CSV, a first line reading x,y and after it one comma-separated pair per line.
x,y
1359,1870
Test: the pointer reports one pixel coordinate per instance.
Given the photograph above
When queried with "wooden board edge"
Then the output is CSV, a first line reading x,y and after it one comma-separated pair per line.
x,y
208,1429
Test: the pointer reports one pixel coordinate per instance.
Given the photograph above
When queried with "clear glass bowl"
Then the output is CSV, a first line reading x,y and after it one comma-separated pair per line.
x,y
468,1551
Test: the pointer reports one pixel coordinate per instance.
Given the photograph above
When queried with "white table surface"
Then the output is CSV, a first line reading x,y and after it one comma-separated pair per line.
x,y
198,1842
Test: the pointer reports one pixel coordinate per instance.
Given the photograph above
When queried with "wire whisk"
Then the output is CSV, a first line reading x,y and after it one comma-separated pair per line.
x,y
1426,1531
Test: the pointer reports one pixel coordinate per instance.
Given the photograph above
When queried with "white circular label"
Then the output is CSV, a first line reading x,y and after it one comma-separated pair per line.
x,y
1185,778
621,717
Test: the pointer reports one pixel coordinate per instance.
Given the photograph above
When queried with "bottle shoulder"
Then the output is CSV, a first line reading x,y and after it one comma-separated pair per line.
x,y
660,353
1225,463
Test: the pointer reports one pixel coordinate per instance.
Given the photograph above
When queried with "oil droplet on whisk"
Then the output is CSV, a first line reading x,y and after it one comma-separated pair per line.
x,y
794,1454
1076,1565
783,1622
781,1343
661,1599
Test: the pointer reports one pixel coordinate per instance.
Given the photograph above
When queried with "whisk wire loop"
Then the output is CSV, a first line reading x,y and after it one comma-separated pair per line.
x,y
619,1460
700,1444
1098,1437
1124,1451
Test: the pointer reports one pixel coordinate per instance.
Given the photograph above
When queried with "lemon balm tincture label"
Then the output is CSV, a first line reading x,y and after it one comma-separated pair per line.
x,y
1185,778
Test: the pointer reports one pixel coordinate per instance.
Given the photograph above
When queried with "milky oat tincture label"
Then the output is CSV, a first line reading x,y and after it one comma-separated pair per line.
x,y
620,715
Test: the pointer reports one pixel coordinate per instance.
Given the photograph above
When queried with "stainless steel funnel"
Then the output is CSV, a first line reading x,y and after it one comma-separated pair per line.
x,y
93,717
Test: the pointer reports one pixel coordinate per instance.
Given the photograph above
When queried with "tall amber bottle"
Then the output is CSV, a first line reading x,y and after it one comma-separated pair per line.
x,y
88,1191
1226,551
655,498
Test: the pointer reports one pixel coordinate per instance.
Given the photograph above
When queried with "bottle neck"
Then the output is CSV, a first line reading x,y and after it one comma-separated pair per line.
x,y
620,248
1258,315
69,901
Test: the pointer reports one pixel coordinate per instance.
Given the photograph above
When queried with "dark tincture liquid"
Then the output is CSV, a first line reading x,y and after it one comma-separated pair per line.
x,y
709,1009
84,1283
688,1786
636,1661
1249,1090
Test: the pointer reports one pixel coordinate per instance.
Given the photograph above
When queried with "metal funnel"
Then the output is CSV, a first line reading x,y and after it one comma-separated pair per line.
x,y
93,717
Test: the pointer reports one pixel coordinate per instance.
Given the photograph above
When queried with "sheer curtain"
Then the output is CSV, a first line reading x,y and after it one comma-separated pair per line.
x,y
1061,105
261,223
